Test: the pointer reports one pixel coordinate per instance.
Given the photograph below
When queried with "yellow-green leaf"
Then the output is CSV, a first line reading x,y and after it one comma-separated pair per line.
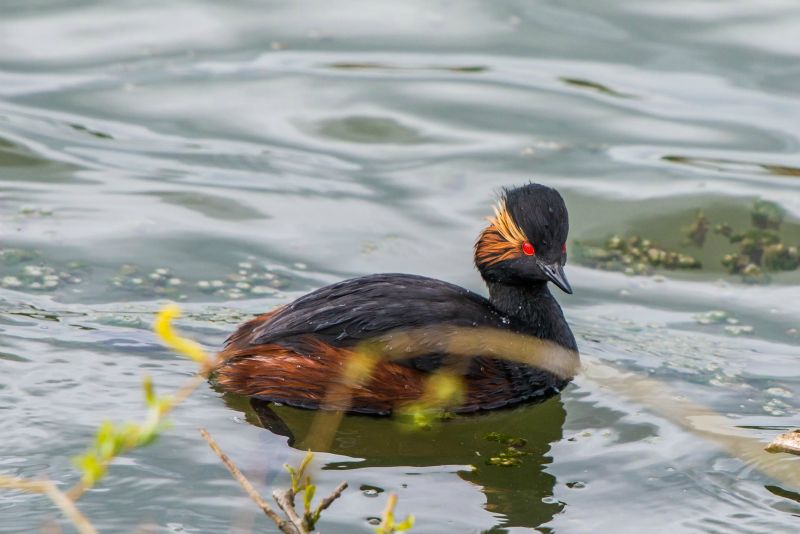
x,y
405,524
149,391
163,328
308,496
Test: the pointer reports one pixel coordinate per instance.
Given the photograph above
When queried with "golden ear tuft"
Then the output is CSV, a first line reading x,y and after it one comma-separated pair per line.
x,y
501,240
506,226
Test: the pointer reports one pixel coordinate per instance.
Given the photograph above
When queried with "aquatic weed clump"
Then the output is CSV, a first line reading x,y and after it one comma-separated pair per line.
x,y
765,214
161,281
249,280
632,254
759,249
514,449
26,270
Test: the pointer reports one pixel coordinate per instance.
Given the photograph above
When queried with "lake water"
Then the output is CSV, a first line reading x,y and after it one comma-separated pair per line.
x,y
170,150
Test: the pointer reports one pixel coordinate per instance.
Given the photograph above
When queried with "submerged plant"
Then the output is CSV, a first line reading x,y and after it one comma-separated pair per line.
x,y
512,453
632,254
26,269
442,390
765,214
758,250
698,230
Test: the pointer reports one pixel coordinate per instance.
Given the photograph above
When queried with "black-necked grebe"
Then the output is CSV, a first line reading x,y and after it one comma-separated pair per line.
x,y
295,353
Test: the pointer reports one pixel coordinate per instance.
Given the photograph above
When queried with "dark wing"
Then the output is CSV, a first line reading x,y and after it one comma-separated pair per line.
x,y
351,311
291,354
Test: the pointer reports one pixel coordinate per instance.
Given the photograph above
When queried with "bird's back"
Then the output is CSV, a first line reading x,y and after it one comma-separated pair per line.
x,y
348,312
294,354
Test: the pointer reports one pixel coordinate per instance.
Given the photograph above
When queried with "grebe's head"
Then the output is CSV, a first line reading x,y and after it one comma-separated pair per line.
x,y
525,241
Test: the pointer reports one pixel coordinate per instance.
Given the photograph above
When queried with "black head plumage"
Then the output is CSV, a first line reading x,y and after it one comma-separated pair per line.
x,y
541,214
526,241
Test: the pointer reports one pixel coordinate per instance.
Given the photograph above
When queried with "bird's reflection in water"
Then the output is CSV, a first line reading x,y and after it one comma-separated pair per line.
x,y
519,495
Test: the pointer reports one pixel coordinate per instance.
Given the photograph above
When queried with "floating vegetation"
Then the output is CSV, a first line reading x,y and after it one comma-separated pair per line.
x,y
512,453
25,270
698,231
731,324
758,249
35,211
712,317
250,279
633,255
16,256
739,329
160,281
766,215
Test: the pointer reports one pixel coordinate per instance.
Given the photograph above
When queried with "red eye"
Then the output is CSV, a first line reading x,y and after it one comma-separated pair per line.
x,y
528,249
564,248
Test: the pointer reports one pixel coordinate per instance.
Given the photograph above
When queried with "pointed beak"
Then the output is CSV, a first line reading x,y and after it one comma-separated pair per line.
x,y
556,275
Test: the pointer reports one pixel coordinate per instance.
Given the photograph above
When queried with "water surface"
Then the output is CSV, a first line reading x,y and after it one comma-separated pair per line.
x,y
232,156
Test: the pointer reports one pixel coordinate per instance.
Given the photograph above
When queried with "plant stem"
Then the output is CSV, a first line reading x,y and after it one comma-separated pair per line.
x,y
248,488
58,497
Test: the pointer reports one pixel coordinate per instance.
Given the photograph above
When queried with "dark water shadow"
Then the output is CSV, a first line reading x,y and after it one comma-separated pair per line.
x,y
521,495
735,166
594,86
12,155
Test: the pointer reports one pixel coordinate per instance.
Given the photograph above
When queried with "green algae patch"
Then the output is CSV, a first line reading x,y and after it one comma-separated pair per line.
x,y
632,254
751,253
512,452
759,249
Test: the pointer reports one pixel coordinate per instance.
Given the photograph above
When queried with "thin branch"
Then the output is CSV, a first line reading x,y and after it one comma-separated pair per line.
x,y
58,497
70,510
285,499
188,388
79,488
76,491
327,501
388,513
65,500
23,484
248,488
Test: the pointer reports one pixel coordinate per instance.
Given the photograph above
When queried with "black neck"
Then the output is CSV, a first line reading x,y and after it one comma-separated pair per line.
x,y
535,310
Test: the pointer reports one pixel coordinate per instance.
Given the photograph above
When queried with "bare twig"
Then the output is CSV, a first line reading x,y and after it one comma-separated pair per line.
x,y
23,484
327,501
76,491
285,499
248,488
79,488
188,388
388,512
58,497
70,510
